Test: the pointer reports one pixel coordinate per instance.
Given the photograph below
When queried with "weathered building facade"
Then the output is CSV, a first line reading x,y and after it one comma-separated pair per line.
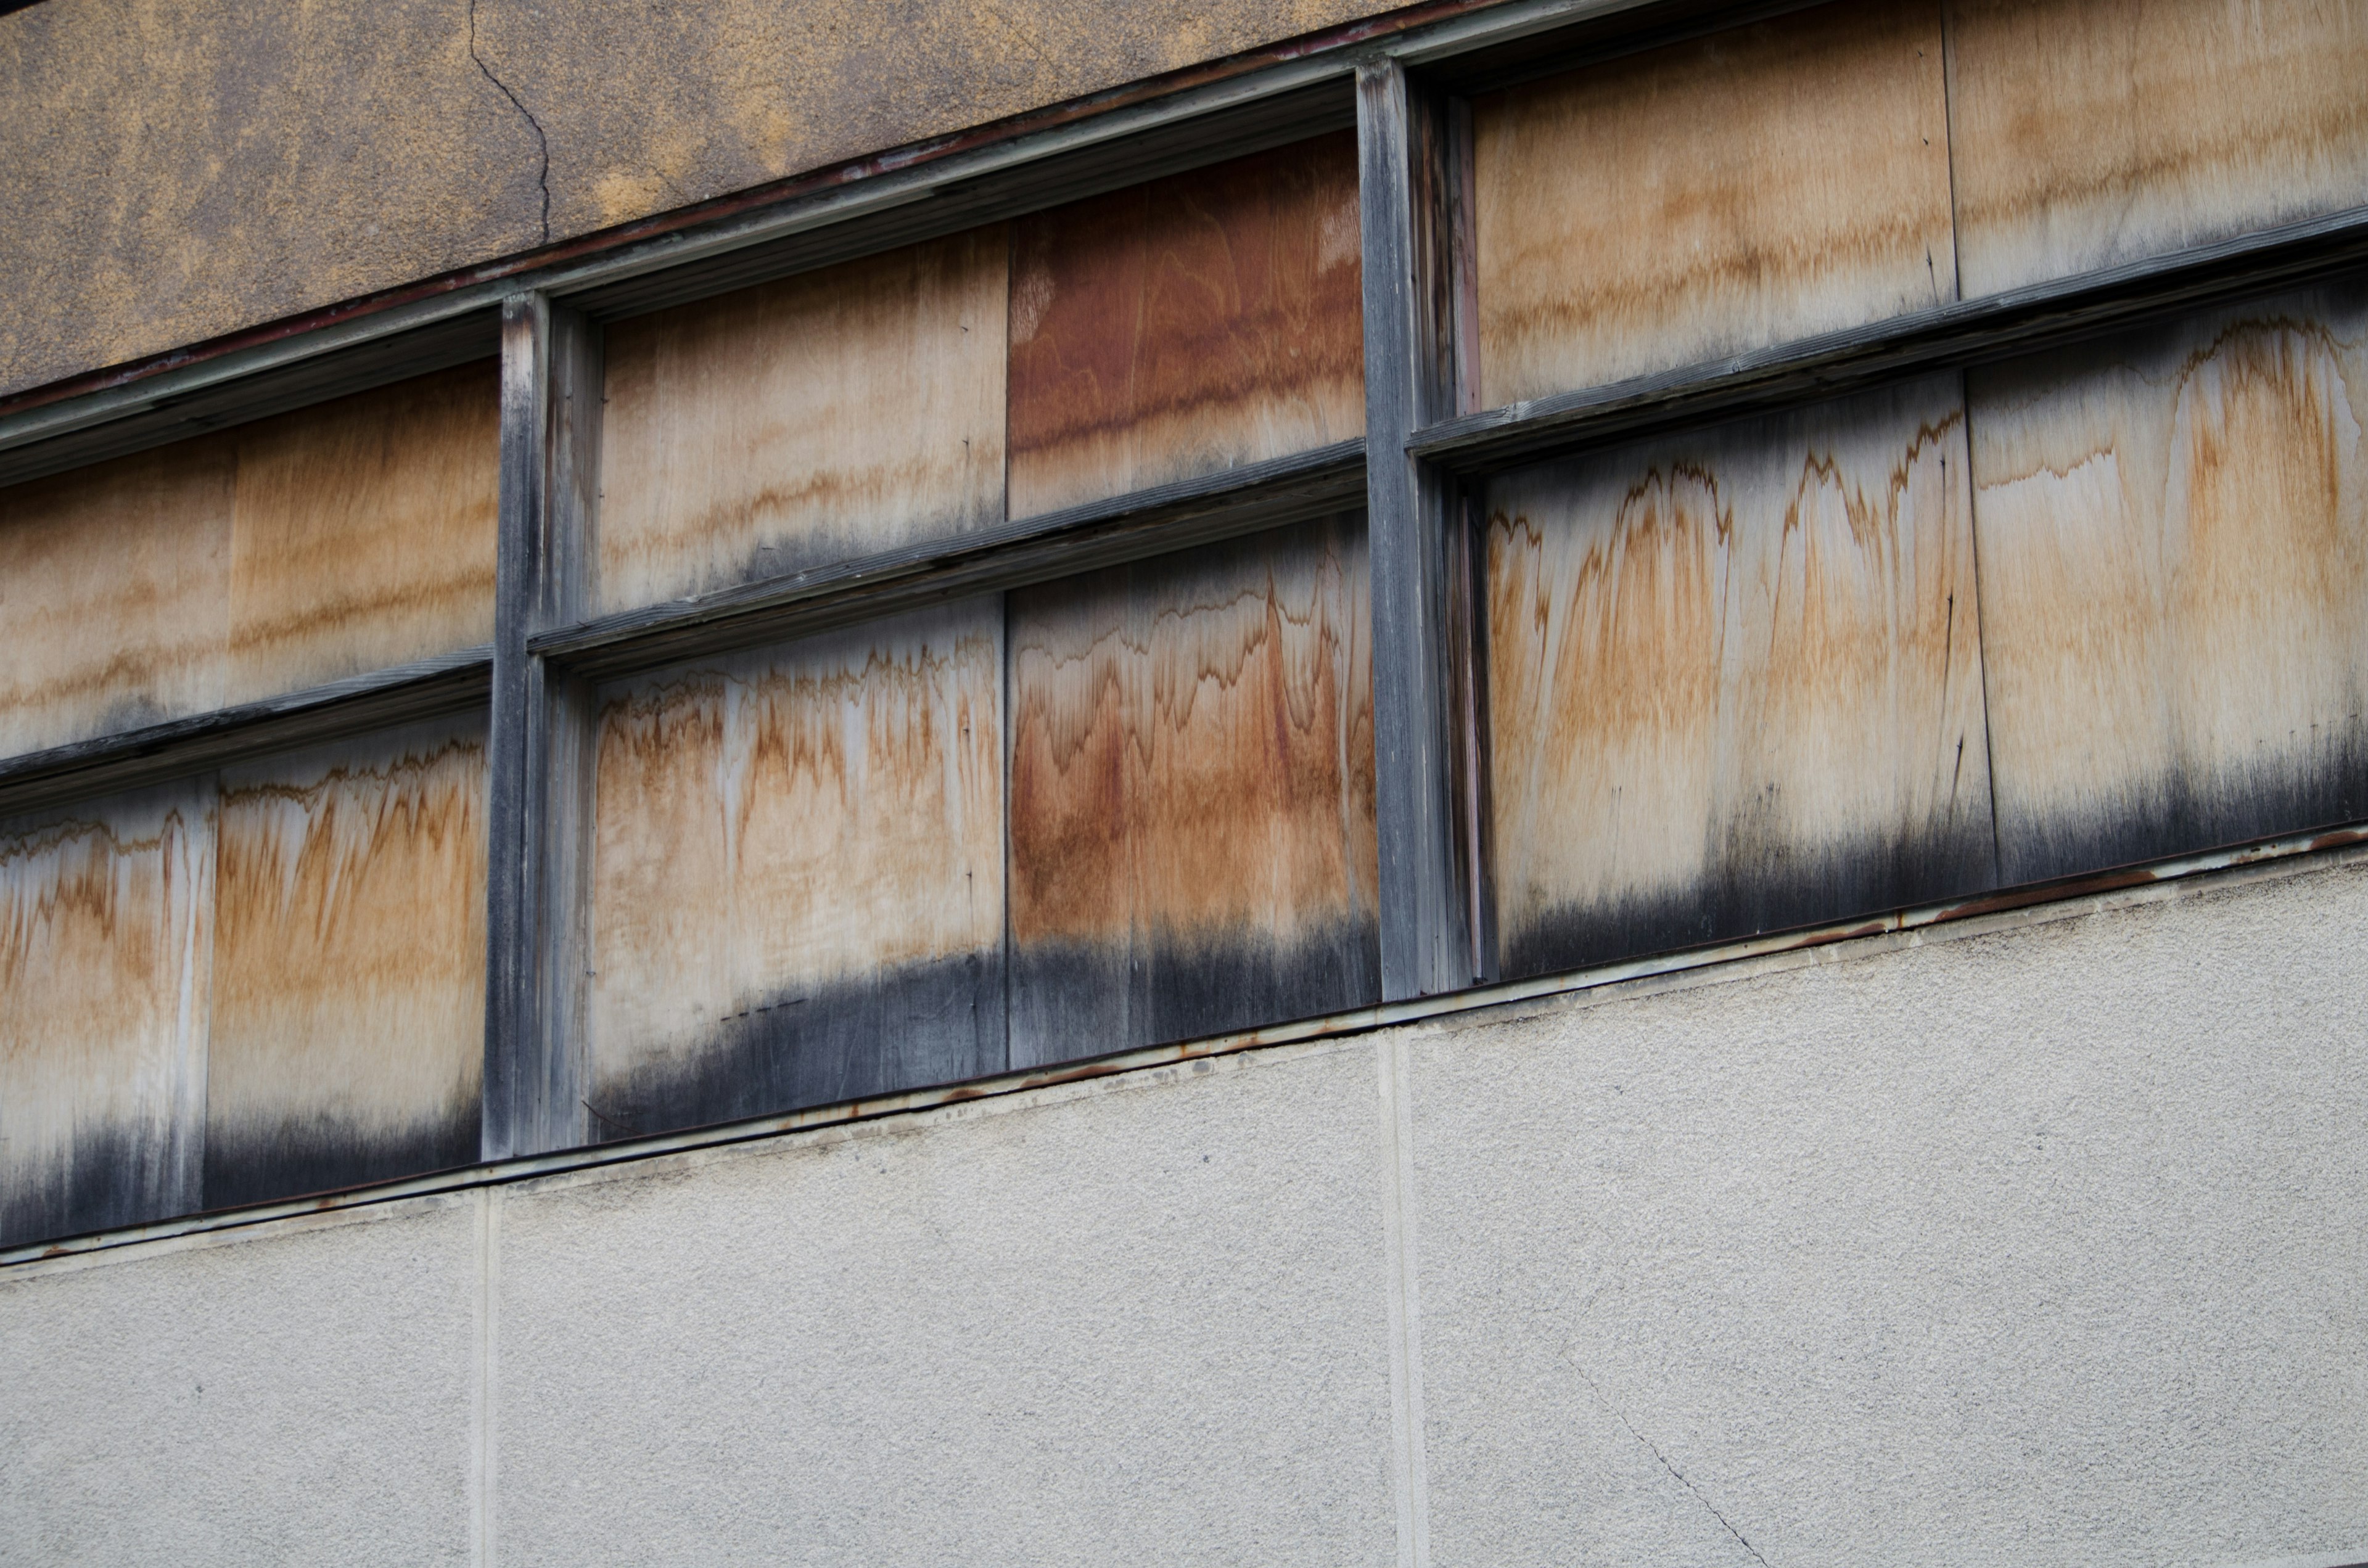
x,y
1537,781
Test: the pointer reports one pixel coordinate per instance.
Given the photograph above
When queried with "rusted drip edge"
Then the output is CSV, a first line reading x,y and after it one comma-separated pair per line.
x,y
2061,898
756,199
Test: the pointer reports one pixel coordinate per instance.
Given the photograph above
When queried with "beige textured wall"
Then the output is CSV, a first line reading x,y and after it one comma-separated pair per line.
x,y
171,170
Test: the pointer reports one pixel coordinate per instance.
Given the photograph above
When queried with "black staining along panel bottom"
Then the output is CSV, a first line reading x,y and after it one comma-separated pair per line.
x,y
798,874
2173,530
1192,843
1734,681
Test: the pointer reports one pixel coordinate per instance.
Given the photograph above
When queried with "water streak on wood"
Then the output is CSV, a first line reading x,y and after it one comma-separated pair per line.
x,y
1712,196
1192,834
838,413
2090,132
1734,681
2173,529
1186,326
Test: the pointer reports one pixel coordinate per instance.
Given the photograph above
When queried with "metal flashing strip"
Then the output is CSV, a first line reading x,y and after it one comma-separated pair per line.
x,y
2008,909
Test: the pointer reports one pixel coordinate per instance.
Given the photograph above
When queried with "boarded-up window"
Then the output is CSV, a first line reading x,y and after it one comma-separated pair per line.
x,y
798,880
1716,195
1192,844
1186,326
288,553
1734,681
837,413
2088,132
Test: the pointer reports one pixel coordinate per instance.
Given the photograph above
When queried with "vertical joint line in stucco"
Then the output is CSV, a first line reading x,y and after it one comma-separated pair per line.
x,y
1408,1482
483,1345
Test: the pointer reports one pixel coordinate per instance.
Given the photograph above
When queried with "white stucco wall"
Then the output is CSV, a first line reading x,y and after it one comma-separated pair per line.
x,y
2040,1242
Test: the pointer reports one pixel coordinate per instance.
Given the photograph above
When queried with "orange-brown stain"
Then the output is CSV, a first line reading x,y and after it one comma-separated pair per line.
x,y
1186,326
2090,132
2174,551
836,414
1724,665
1712,196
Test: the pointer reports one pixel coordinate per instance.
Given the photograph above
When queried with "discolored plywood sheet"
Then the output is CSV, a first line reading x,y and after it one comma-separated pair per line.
x,y
1186,326
364,532
1715,195
1735,681
2090,132
114,594
836,414
2173,528
1192,844
349,965
106,938
797,889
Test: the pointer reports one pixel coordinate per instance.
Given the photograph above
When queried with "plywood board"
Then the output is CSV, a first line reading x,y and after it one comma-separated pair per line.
x,y
349,965
365,532
1735,681
2173,529
1721,194
2090,132
834,415
797,889
1186,326
106,939
1192,842
114,594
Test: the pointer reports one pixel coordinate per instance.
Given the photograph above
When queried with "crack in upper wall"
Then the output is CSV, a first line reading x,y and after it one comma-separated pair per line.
x,y
541,142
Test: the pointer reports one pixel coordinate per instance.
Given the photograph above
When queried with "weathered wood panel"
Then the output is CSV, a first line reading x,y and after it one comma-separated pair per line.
x,y
349,965
364,532
1720,194
105,937
114,594
835,413
2173,530
1187,325
2089,133
1735,681
797,886
1192,842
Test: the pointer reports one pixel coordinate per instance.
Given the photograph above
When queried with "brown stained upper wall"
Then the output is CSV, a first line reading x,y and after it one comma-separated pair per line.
x,y
2173,530
1716,195
835,413
1186,326
175,169
2089,133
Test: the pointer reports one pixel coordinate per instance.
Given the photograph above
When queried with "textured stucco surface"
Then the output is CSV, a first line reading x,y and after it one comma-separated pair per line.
x,y
171,170
2042,1245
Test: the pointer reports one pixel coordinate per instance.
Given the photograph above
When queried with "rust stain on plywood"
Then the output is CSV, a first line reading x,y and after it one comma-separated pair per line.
x,y
1192,843
2090,132
798,874
2173,529
105,937
1736,682
1713,196
832,415
349,965
1186,326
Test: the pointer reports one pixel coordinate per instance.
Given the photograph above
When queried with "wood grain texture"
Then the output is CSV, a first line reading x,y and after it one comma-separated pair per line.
x,y
106,938
114,594
1735,681
797,885
1192,842
834,413
364,532
2093,132
349,964
1188,326
2173,529
1716,195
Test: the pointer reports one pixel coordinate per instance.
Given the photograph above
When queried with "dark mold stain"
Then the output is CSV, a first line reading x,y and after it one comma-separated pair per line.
x,y
252,1160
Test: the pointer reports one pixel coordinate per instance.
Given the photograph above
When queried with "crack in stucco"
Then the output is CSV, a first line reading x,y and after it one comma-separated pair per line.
x,y
1654,1448
542,175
